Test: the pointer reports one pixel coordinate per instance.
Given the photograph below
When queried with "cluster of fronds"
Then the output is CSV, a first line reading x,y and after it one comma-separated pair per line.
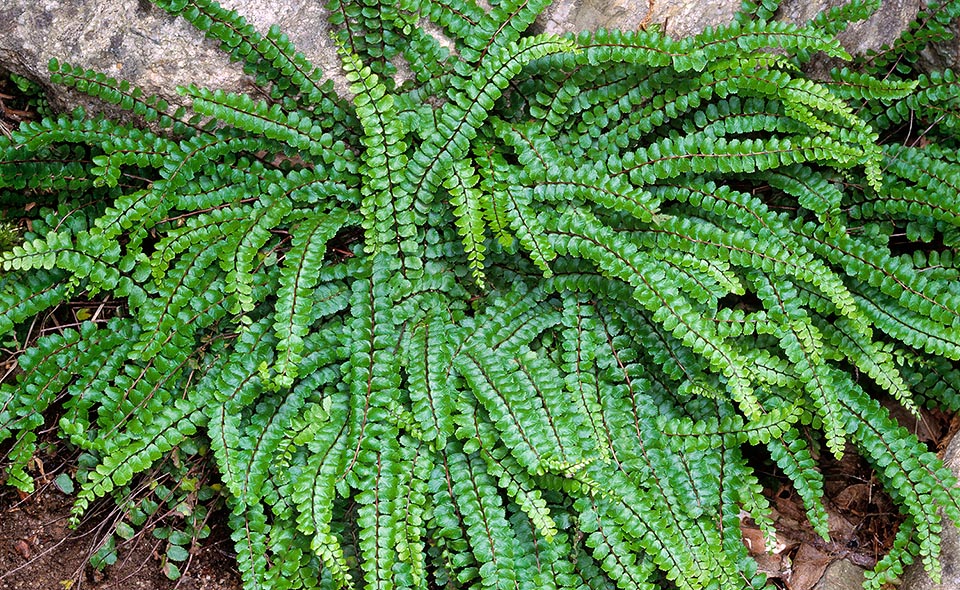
x,y
513,322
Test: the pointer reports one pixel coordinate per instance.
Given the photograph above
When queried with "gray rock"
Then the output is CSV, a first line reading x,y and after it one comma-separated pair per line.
x,y
841,575
683,18
884,27
915,578
678,18
860,38
942,55
136,41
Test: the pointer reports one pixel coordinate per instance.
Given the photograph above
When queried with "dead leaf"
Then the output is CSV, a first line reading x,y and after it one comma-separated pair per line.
x,y
926,426
754,539
789,504
808,566
772,566
23,548
840,528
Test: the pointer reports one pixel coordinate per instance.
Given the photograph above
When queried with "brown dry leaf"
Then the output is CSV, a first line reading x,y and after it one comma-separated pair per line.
x,y
754,539
927,426
952,430
789,505
23,548
772,566
840,528
808,566
771,561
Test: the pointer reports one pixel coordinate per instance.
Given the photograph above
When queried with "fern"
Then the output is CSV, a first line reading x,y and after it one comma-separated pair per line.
x,y
510,322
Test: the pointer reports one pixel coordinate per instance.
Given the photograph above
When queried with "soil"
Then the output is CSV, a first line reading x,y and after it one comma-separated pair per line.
x,y
39,552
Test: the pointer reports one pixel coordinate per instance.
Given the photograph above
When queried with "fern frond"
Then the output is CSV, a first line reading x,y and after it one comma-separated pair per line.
x,y
242,112
458,119
272,57
507,318
490,535
295,299
913,475
432,398
323,431
386,205
110,90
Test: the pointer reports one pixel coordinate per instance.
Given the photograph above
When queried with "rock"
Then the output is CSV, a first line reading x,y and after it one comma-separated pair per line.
x,y
136,41
841,575
678,18
571,16
860,38
914,578
884,27
944,54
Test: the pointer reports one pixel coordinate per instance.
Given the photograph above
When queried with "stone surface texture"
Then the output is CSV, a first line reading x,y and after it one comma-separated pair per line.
x,y
841,575
880,29
678,18
136,41
945,54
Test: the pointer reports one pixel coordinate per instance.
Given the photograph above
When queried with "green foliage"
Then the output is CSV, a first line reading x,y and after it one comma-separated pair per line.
x,y
173,504
508,323
9,236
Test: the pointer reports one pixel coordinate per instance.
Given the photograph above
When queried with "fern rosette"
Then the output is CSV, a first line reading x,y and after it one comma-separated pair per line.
x,y
512,322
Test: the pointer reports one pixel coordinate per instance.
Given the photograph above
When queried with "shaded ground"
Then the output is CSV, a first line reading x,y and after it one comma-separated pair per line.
x,y
862,518
39,552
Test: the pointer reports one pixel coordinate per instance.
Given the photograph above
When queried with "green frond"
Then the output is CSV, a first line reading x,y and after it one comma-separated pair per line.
x,y
386,205
272,58
25,294
110,90
836,19
224,397
792,454
508,317
914,476
323,429
504,24
250,536
490,535
498,390
242,112
851,85
613,552
467,202
516,208
468,108
930,25
377,518
46,372
298,295
432,397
